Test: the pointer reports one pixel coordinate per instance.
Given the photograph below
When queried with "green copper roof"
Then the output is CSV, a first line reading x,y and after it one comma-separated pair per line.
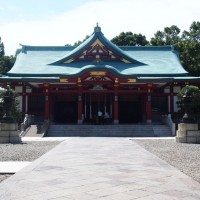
x,y
44,61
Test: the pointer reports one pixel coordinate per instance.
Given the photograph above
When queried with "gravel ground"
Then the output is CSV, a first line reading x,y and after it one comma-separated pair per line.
x,y
185,157
26,151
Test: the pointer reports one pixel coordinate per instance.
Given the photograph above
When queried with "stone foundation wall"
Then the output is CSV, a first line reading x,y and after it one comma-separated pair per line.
x,y
188,133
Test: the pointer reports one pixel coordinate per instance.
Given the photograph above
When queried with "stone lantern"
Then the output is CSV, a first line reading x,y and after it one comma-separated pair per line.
x,y
187,99
8,100
8,127
188,131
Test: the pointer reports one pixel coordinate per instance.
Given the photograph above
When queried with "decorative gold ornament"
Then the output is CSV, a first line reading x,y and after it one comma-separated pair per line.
x,y
64,80
97,73
131,80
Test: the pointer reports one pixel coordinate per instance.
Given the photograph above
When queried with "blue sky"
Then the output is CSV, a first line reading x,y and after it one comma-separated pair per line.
x,y
35,9
60,22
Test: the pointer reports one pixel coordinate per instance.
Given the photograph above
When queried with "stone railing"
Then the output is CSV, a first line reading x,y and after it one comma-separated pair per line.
x,y
171,124
25,125
45,127
168,120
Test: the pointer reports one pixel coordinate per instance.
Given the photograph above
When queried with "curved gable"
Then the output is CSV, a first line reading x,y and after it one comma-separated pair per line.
x,y
97,49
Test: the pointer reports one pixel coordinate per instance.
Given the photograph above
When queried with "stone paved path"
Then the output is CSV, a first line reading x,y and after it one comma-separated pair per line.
x,y
101,169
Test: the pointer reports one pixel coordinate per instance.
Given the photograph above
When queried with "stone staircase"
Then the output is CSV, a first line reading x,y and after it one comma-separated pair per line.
x,y
135,130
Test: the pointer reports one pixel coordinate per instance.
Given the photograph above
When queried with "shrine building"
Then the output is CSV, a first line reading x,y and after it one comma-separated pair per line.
x,y
69,85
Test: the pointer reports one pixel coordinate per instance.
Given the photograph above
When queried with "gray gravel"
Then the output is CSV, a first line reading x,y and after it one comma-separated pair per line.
x,y
26,151
185,157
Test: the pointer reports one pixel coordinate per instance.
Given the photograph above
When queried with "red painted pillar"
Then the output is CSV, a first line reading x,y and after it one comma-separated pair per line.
x,y
46,114
50,107
80,109
24,99
116,102
148,110
171,99
116,109
46,111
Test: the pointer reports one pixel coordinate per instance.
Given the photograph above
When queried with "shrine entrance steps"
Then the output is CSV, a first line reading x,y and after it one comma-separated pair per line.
x,y
135,130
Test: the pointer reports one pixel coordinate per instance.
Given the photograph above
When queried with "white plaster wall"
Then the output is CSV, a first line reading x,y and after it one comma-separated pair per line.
x,y
28,90
167,90
18,89
177,89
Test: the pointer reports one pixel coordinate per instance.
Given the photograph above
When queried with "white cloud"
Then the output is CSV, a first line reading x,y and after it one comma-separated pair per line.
x,y
114,16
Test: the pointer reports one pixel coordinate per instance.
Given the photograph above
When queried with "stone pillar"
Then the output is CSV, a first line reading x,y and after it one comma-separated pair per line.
x,y
148,110
9,133
80,110
116,110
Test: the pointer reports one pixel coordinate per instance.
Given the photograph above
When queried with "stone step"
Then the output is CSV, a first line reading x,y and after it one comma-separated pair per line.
x,y
108,130
161,130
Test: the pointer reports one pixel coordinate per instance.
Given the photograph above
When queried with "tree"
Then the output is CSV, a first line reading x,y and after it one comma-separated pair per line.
x,y
194,33
6,62
190,56
1,49
189,48
169,36
130,39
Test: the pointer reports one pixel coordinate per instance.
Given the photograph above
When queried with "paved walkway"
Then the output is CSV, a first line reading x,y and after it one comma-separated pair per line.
x,y
102,169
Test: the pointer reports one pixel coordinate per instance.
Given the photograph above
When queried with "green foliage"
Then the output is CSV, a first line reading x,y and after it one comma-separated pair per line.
x,y
190,56
6,63
194,33
191,90
130,39
196,105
